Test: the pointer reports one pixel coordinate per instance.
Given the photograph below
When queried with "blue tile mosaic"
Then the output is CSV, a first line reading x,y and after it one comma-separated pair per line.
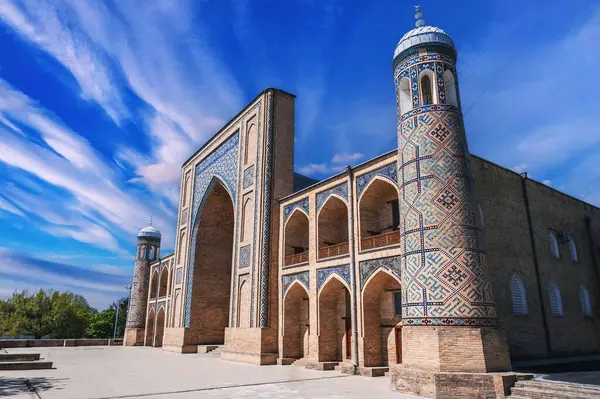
x,y
340,190
389,172
341,271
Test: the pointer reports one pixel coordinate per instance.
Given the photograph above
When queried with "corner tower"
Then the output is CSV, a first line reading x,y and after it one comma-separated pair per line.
x,y
148,250
449,315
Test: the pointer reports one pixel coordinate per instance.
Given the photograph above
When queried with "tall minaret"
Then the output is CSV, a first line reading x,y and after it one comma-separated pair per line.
x,y
449,315
148,250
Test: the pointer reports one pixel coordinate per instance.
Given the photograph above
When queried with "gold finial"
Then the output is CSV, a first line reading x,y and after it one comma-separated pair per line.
x,y
419,17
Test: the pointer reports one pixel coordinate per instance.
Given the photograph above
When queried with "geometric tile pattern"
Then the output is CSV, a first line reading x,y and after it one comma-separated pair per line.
x,y
221,165
265,252
302,204
235,283
248,177
369,267
288,279
244,256
340,190
136,316
341,271
444,272
390,172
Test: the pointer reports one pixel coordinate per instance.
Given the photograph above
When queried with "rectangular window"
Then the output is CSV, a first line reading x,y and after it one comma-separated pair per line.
x,y
397,303
395,213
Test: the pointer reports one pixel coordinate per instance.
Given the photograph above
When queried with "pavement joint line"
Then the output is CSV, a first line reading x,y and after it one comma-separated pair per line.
x,y
32,389
219,387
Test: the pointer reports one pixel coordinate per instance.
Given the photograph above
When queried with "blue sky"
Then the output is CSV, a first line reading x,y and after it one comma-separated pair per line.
x,y
101,102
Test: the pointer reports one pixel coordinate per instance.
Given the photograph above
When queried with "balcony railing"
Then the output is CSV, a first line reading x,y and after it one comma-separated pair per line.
x,y
296,258
333,250
380,240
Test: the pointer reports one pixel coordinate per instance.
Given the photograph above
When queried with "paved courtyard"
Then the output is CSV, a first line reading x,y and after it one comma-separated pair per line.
x,y
118,372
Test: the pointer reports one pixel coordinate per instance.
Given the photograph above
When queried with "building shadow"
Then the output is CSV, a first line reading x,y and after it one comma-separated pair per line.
x,y
19,385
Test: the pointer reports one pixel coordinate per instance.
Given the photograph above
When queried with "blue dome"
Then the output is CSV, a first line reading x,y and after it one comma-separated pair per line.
x,y
420,35
149,231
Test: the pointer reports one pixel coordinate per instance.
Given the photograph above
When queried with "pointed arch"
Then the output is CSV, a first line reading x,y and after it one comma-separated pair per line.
x,y
427,88
250,143
333,276
553,243
149,327
153,284
573,249
585,304
210,265
379,214
381,270
296,321
518,295
556,306
163,282
247,218
405,96
160,327
378,305
243,316
296,238
450,87
332,228
296,282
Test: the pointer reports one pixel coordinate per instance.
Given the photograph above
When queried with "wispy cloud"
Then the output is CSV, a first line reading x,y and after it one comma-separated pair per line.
x,y
337,164
26,272
538,111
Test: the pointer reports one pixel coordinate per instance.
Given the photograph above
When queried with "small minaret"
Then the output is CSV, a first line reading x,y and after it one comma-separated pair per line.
x,y
448,314
148,250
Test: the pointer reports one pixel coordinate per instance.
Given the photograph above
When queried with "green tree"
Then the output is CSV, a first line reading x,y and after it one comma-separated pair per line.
x,y
45,313
101,324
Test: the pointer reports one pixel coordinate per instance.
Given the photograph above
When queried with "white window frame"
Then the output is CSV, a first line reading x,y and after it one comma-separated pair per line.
x,y
553,243
585,304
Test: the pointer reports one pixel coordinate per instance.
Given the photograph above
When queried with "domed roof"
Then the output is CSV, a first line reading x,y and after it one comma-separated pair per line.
x,y
149,231
422,34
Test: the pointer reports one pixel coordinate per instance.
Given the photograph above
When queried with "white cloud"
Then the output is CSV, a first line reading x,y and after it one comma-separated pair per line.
x,y
537,113
347,158
314,168
7,206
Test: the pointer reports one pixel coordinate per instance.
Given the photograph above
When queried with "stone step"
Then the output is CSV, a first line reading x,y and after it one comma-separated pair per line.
x,y
209,348
19,357
373,371
560,386
26,365
547,393
321,366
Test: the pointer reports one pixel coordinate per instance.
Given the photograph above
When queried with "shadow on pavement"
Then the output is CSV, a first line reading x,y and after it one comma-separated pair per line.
x,y
20,385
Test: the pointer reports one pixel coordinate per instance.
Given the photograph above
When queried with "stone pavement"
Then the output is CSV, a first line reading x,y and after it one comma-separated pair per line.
x,y
135,372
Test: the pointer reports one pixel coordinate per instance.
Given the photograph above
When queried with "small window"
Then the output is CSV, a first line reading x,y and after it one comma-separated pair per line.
x,y
553,242
481,216
426,90
573,249
519,296
397,303
151,257
405,98
584,302
450,85
555,299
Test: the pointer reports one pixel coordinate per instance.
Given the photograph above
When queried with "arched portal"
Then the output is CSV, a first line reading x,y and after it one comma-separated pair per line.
x,y
160,328
153,284
379,215
382,317
164,281
149,328
295,322
333,228
335,322
296,238
209,313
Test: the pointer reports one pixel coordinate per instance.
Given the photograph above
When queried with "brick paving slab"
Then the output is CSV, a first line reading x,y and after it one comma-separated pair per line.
x,y
134,372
